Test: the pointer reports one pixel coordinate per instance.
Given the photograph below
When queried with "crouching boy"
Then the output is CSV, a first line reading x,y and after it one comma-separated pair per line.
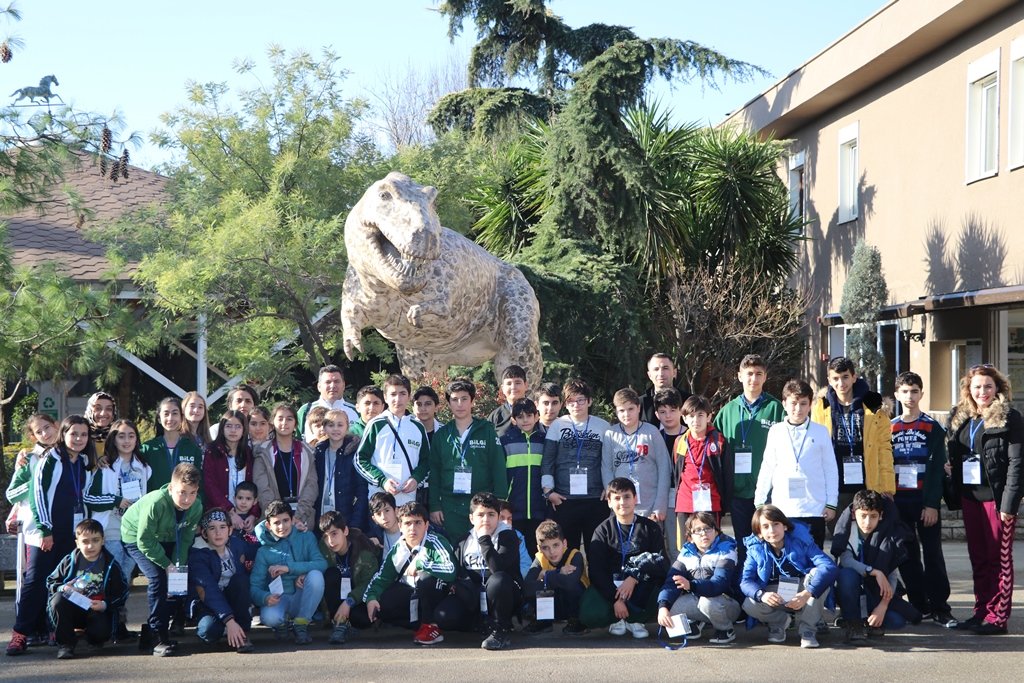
x,y
352,561
86,590
560,575
220,583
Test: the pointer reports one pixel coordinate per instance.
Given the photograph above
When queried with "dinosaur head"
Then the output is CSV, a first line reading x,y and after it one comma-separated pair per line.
x,y
400,231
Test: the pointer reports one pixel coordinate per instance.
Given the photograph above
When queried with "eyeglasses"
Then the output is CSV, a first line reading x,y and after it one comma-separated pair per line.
x,y
702,531
580,400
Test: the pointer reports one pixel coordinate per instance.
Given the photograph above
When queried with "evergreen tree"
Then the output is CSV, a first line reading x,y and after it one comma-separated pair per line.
x,y
864,295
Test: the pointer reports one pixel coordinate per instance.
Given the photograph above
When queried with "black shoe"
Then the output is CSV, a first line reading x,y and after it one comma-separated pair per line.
x,y
498,640
987,628
944,619
165,648
65,652
178,626
574,627
537,627
968,624
145,638
123,635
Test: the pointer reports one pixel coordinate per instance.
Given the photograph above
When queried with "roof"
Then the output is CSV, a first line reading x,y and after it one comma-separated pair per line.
x,y
58,234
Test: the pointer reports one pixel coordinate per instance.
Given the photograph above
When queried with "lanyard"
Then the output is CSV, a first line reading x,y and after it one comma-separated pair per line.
x,y
76,474
703,456
744,424
460,444
344,568
803,442
289,469
634,456
330,467
578,436
974,430
623,552
848,429
779,561
172,453
177,536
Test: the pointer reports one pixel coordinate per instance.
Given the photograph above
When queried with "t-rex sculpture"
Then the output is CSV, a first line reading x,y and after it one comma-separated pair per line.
x,y
442,299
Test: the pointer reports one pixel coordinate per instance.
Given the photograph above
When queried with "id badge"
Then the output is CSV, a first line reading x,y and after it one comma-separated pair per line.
x,y
797,487
414,610
463,480
393,471
972,470
131,489
545,605
680,626
788,588
77,599
483,601
906,476
618,579
177,581
578,481
853,472
346,587
744,462
702,498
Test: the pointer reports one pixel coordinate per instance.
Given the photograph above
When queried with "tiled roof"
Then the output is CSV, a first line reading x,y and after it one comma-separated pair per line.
x,y
57,234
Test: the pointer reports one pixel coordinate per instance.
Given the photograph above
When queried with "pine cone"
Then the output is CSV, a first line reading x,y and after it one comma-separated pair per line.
x,y
106,138
103,166
124,163
5,52
115,170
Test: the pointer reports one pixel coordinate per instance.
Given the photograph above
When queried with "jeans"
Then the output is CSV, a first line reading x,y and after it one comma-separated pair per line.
x,y
210,628
156,588
850,586
298,605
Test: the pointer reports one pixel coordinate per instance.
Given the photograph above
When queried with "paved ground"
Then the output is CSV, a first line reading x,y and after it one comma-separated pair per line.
x,y
924,652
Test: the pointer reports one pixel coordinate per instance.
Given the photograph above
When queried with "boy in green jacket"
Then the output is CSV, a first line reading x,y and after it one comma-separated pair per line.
x,y
157,532
466,457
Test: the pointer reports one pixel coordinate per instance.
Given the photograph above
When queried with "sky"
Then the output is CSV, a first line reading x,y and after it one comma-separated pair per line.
x,y
135,57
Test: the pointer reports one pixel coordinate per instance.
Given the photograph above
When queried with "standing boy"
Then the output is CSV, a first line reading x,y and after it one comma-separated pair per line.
x,y
425,403
513,388
465,458
549,403
571,467
369,404
745,421
919,455
860,429
635,450
524,450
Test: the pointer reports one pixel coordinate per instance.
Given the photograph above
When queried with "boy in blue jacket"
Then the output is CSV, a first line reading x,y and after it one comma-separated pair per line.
x,y
785,573
292,556
523,442
219,583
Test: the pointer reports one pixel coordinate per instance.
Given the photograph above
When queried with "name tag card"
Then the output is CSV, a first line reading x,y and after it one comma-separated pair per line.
x,y
177,581
680,626
76,598
907,476
131,489
346,587
744,462
483,601
702,498
797,487
853,472
578,482
276,586
788,588
393,471
545,605
414,610
972,472
463,480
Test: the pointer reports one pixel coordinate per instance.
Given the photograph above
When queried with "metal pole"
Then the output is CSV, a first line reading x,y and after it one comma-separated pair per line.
x,y
201,355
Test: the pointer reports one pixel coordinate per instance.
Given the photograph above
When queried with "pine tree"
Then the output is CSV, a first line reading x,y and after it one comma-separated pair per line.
x,y
864,295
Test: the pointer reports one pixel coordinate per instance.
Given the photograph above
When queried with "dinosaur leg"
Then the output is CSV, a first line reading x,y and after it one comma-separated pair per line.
x,y
417,365
353,314
518,317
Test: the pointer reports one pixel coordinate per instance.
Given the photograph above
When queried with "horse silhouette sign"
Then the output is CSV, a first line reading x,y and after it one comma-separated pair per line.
x,y
41,91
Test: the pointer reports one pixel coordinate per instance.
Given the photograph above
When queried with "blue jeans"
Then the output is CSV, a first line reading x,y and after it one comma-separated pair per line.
x,y
298,605
849,587
120,553
156,588
210,628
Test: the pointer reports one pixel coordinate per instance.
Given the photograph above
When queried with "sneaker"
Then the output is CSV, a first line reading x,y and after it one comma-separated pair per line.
x,y
245,648
123,635
537,627
339,634
809,641
165,648
18,644
875,632
777,634
944,619
282,631
428,634
839,622
301,632
618,628
696,630
968,624
722,636
65,652
855,634
145,638
178,626
638,630
987,628
574,627
497,640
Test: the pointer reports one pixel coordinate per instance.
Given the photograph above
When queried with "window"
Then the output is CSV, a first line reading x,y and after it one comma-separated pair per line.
x,y
797,188
983,117
848,170
1017,103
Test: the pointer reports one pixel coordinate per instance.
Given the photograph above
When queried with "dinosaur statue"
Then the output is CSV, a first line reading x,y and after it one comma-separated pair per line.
x,y
442,299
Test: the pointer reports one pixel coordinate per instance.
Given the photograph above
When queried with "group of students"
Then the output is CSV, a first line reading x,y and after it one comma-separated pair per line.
x,y
356,514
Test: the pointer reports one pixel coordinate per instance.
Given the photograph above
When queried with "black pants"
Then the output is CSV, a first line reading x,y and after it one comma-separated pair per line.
x,y
460,611
394,603
817,527
928,586
332,592
567,598
67,617
578,518
38,566
528,528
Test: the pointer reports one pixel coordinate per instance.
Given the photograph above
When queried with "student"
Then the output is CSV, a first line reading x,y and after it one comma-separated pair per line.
x,y
314,426
799,467
505,514
524,450
860,429
92,573
116,485
330,384
785,571
352,561
283,469
699,581
744,422
702,461
57,501
100,411
219,583
393,454
245,400
425,403
369,404
384,513
415,575
487,577
258,426
919,455
549,403
465,458
341,487
571,467
290,554
513,388
635,450
627,567
668,407
244,512
227,462
157,532
165,452
662,373
869,542
196,420
560,572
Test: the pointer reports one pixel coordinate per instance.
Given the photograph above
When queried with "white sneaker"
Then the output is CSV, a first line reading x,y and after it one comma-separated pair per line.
x,y
618,628
639,631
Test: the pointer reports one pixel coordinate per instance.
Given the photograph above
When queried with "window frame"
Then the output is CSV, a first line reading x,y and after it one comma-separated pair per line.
x,y
849,164
983,77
